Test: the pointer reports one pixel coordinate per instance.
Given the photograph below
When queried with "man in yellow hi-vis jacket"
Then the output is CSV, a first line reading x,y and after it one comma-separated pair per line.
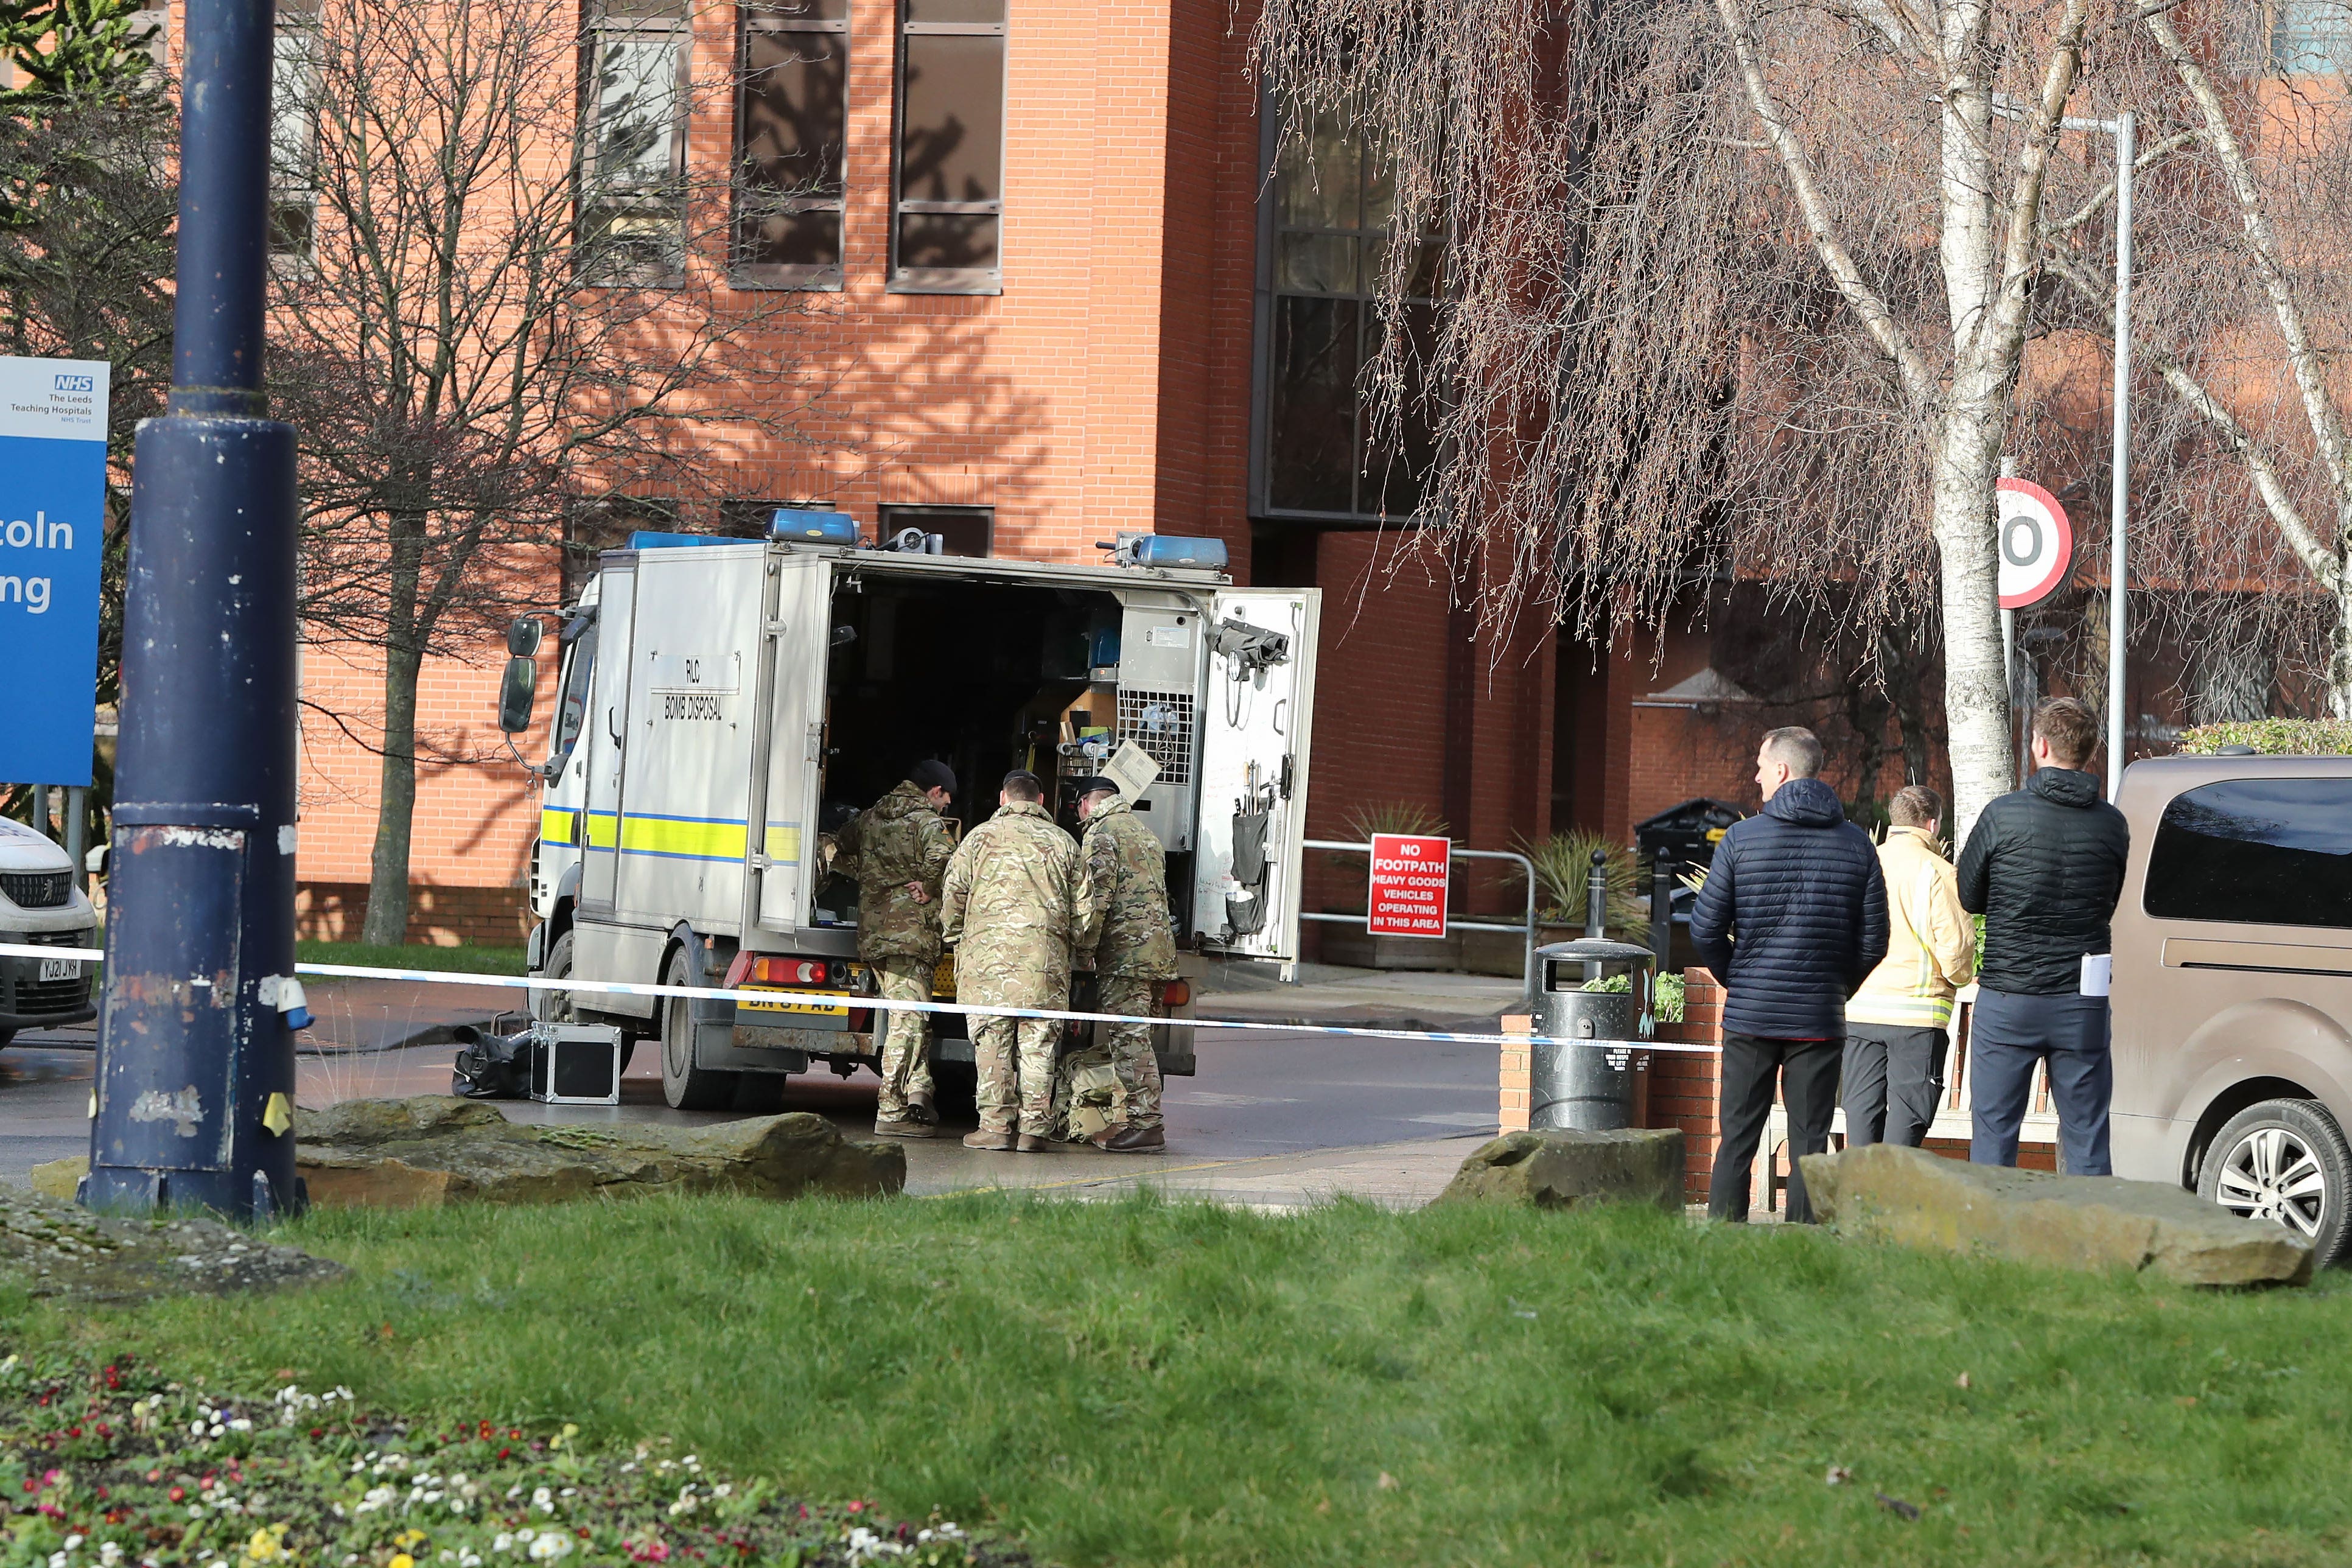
x,y
1899,1026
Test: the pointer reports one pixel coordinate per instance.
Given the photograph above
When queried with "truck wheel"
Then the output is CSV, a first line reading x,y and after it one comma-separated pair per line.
x,y
685,1086
7,1035
2284,1159
556,1007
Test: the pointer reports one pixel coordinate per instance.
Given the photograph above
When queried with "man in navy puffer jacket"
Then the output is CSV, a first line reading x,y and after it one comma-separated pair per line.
x,y
1792,920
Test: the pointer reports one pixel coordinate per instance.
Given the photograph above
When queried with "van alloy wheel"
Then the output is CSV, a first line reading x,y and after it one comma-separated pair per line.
x,y
2273,1174
2284,1161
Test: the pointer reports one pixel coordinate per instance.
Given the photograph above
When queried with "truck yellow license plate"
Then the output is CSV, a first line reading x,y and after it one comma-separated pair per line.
x,y
818,1003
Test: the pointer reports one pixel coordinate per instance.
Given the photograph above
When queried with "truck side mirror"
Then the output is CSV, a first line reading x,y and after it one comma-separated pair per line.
x,y
522,637
517,694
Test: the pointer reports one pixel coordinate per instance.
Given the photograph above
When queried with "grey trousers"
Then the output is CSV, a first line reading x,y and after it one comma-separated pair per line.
x,y
1894,1081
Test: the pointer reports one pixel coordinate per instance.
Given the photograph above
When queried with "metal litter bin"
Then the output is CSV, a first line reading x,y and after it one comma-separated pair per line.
x,y
1590,1089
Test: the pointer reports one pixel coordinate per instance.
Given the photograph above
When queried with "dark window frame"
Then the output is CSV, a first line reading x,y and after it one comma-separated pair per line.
x,y
2311,46
904,279
1268,295
293,238
892,517
753,16
601,263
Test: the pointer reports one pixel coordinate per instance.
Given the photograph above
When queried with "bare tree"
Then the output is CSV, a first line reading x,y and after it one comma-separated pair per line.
x,y
1735,284
88,196
502,290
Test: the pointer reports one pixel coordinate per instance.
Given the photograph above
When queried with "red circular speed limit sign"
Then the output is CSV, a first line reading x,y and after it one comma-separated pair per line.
x,y
2037,545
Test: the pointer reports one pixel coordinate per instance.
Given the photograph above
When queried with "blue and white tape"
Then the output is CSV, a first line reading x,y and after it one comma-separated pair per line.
x,y
884,1005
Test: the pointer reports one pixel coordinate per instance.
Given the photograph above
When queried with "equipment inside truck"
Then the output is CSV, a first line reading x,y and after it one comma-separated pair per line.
x,y
988,677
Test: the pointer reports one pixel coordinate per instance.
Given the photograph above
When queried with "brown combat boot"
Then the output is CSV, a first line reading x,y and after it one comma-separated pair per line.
x,y
902,1127
920,1109
1031,1144
1000,1143
1126,1139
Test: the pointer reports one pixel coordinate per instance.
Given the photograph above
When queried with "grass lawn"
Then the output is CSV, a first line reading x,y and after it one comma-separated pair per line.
x,y
376,955
1178,1384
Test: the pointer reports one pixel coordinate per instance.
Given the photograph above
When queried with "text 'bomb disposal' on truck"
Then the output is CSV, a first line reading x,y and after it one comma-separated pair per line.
x,y
725,703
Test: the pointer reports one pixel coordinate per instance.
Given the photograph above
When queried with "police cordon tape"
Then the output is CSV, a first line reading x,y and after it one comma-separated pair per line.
x,y
885,1005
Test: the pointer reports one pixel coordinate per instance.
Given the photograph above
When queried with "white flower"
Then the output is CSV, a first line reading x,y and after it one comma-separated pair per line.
x,y
572,1491
338,1510
513,1492
721,1489
544,1500
550,1546
628,1466
195,1428
456,1505
56,1560
505,1542
10,1365
377,1497
691,1463
469,1559
110,1553
74,1540
240,1424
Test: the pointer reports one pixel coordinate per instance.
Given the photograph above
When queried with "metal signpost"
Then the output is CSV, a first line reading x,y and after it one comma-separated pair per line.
x,y
52,536
195,1071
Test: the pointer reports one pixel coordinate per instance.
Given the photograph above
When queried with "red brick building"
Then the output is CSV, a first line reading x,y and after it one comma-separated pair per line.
x,y
1062,289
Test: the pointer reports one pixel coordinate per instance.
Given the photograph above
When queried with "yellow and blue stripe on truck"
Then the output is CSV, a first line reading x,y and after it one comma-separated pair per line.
x,y
665,838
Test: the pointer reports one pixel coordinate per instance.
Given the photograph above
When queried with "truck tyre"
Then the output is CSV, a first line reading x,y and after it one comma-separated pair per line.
x,y
7,1035
2287,1160
685,1086
555,1007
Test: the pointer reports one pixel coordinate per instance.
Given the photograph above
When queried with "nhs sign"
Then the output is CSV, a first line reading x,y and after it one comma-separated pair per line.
x,y
52,535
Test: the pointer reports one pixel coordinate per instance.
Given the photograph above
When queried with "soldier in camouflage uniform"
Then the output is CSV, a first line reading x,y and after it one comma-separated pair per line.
x,y
1125,934
899,852
1011,905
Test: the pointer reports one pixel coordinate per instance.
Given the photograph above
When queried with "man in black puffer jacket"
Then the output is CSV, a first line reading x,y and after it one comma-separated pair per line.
x,y
2044,865
1792,918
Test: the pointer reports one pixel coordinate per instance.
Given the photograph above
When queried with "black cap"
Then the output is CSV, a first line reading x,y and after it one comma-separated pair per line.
x,y
931,774
1085,787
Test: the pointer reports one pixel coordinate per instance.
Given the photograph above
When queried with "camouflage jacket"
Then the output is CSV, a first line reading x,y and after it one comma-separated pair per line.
x,y
1011,905
902,839
1125,922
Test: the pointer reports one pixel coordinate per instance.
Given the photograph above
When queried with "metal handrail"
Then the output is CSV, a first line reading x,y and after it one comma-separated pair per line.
x,y
1528,930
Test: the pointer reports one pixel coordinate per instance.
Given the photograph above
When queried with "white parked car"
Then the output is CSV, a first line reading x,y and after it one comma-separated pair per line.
x,y
40,907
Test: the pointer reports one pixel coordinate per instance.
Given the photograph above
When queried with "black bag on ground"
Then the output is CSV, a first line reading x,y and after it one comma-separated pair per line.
x,y
491,1067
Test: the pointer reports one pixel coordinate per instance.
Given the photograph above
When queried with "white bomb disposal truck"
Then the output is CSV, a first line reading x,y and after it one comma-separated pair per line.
x,y
724,704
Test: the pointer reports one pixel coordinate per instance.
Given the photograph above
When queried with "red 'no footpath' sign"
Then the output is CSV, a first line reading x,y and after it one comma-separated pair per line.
x,y
1408,877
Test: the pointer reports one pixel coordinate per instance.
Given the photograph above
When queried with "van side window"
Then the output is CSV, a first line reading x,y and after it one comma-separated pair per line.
x,y
2263,851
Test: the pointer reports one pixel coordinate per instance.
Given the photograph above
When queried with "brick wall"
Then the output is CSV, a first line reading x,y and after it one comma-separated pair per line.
x,y
438,916
1685,1085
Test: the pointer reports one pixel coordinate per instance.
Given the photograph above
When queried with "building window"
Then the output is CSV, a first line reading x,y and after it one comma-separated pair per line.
x,y
597,523
2311,38
792,119
294,88
1325,240
632,143
963,529
948,219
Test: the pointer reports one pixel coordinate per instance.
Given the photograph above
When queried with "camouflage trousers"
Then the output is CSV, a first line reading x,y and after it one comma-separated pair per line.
x,y
905,1036
1119,1075
1015,1062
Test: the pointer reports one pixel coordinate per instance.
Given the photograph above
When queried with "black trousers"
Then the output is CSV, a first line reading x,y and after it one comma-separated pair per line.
x,y
1807,1072
1894,1081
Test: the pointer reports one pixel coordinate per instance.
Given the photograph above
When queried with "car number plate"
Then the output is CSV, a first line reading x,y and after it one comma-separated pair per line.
x,y
61,969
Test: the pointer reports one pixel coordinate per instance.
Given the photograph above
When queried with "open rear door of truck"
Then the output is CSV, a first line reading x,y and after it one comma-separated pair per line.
x,y
606,736
1257,710
793,644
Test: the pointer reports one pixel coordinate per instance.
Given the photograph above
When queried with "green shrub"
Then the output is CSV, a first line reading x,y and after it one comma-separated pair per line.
x,y
1564,866
2272,737
1669,997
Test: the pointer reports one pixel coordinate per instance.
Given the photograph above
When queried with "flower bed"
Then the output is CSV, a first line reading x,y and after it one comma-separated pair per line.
x,y
115,1467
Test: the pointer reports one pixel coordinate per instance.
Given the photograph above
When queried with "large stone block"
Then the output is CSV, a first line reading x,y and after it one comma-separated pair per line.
x,y
53,1247
1556,1170
1886,1192
433,1150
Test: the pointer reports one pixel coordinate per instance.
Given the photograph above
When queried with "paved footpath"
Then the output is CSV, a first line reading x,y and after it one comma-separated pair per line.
x,y
1273,1118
